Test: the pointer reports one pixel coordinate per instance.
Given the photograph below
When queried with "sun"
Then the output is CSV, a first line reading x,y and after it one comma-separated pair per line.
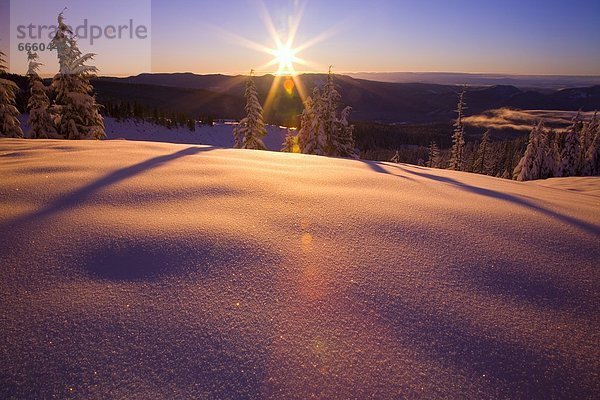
x,y
284,53
285,56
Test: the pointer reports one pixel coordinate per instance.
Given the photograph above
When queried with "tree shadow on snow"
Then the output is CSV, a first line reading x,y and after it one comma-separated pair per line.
x,y
582,225
79,196
505,279
135,259
376,166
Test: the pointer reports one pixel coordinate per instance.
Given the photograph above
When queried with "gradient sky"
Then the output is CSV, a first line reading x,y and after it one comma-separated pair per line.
x,y
520,37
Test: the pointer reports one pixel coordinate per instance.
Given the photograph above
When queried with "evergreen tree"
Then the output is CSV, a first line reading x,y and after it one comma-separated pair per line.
x,y
338,131
458,140
588,135
483,155
311,136
290,143
40,119
330,101
322,132
79,112
530,165
248,134
344,144
570,155
586,138
549,142
191,124
591,163
9,121
396,157
433,160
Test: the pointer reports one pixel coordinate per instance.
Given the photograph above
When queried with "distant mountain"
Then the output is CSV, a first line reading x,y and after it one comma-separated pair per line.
x,y
566,99
222,96
553,82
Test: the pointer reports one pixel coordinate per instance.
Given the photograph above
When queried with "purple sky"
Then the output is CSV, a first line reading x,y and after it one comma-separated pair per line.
x,y
521,37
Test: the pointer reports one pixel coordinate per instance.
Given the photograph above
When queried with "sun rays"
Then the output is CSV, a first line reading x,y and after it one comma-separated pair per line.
x,y
285,52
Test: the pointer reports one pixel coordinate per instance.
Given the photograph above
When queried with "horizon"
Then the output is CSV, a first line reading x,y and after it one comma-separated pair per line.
x,y
358,72
294,36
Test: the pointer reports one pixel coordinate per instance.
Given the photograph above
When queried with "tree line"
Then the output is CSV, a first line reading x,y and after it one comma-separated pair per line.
x,y
123,110
64,110
548,153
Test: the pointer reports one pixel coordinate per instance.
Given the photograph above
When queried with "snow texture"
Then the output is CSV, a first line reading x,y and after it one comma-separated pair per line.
x,y
147,270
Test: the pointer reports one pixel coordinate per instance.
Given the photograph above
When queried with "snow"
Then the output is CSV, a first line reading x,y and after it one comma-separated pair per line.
x,y
156,270
219,135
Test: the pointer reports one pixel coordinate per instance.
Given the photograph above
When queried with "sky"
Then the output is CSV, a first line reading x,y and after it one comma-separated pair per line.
x,y
206,36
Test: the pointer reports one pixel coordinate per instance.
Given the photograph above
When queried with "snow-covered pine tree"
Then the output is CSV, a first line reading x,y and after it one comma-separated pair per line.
x,y
79,113
588,135
483,155
338,131
322,132
248,134
548,166
569,156
9,121
530,165
585,139
433,159
458,139
311,136
345,136
396,157
591,165
330,101
290,143
40,119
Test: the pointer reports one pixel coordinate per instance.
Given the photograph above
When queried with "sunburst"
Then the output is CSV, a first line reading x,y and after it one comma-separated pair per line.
x,y
285,53
285,56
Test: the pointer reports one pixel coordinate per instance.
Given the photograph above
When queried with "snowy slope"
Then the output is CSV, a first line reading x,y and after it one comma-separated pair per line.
x,y
153,270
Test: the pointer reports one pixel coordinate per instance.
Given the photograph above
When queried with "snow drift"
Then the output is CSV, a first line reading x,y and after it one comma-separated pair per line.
x,y
153,270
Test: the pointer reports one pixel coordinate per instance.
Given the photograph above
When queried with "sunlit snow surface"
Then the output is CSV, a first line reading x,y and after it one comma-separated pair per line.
x,y
152,271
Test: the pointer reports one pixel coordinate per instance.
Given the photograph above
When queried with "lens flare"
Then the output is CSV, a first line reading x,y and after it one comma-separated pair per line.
x,y
289,85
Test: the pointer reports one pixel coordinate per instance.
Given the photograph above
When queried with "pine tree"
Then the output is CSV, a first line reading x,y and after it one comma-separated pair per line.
x,y
433,160
458,139
483,155
311,136
589,146
79,113
591,164
551,154
344,143
290,143
40,119
396,157
330,101
338,131
530,165
569,156
322,132
9,114
248,134
586,138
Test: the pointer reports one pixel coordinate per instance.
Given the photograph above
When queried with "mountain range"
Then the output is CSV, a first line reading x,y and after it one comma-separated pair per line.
x,y
222,96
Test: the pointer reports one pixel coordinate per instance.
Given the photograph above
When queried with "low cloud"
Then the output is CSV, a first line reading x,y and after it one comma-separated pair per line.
x,y
523,120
